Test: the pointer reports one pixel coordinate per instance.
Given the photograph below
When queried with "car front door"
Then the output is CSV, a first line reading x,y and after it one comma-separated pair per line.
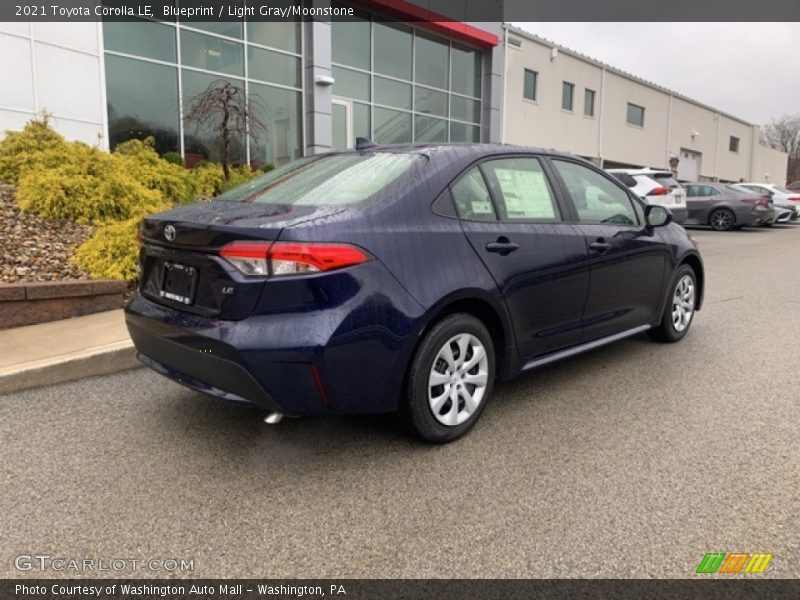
x,y
514,221
628,260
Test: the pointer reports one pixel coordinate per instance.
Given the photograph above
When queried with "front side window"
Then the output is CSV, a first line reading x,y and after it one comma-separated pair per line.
x,y
337,179
567,95
522,190
635,115
596,199
471,197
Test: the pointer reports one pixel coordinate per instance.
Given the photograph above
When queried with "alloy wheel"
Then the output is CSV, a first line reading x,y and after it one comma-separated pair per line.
x,y
458,379
683,303
722,220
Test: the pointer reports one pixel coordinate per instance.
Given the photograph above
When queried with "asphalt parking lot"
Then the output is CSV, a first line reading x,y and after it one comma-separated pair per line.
x,y
631,461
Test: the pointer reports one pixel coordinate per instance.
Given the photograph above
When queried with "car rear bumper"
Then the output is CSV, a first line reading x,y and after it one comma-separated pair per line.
x,y
349,357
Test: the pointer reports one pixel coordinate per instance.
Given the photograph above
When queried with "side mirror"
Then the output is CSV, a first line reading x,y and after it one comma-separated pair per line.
x,y
657,216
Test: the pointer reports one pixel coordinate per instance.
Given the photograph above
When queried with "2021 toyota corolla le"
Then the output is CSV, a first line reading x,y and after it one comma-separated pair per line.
x,y
405,278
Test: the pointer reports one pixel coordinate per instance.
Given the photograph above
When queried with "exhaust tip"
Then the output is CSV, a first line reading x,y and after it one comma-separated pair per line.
x,y
273,418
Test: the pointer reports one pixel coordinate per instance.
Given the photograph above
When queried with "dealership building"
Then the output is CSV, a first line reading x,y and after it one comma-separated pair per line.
x,y
321,84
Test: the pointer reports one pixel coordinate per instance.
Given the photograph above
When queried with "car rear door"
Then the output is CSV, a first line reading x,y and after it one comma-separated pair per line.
x,y
628,260
514,221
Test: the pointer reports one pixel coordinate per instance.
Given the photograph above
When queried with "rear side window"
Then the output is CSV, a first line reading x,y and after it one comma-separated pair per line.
x,y
521,189
336,179
596,199
471,197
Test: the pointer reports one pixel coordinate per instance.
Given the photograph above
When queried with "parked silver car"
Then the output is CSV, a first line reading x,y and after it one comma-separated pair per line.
x,y
725,207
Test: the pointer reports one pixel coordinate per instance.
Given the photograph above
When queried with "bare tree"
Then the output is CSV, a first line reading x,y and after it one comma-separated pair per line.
x,y
230,112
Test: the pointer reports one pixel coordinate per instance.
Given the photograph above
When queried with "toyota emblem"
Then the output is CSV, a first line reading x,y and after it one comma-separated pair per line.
x,y
169,233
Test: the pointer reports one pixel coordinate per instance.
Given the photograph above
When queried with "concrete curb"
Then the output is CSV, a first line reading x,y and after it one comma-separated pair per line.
x,y
101,360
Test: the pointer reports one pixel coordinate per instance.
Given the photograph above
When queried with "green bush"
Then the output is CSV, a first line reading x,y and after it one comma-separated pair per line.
x,y
173,181
19,148
57,179
111,253
87,185
173,157
209,178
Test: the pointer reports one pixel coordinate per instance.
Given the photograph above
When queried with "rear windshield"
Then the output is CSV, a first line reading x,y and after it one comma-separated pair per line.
x,y
336,179
782,190
665,179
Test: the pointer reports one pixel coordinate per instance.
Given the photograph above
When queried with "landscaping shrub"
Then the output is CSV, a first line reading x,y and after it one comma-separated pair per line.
x,y
71,180
173,181
209,179
173,157
19,148
87,185
112,252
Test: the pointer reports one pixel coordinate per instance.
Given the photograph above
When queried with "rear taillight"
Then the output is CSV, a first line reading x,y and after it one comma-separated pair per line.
x,y
794,198
659,191
290,258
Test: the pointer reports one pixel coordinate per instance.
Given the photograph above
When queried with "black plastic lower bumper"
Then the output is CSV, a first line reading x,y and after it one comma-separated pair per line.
x,y
210,373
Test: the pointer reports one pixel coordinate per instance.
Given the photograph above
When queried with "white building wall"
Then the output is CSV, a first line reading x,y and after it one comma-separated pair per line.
x,y
55,68
673,124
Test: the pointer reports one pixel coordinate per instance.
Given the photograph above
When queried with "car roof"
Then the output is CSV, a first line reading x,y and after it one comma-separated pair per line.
x,y
467,149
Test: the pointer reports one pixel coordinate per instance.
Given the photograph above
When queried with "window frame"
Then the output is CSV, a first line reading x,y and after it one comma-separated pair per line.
x,y
535,84
627,115
586,91
564,85
731,144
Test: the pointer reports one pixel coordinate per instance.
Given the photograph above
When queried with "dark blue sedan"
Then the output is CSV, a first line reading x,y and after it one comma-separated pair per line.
x,y
405,278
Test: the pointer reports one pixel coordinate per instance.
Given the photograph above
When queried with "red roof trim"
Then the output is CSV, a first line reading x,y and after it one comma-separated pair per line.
x,y
434,22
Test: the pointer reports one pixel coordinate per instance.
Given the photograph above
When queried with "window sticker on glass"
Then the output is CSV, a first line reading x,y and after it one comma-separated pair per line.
x,y
525,193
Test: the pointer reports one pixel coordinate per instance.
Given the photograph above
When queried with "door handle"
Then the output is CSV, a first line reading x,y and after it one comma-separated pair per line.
x,y
502,246
600,246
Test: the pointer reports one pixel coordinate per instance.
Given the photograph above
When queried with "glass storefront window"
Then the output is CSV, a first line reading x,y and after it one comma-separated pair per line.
x,y
427,129
392,126
202,142
430,102
350,84
228,28
392,93
280,110
361,121
393,51
461,132
212,53
465,109
351,44
142,101
466,70
267,65
142,38
431,61
277,34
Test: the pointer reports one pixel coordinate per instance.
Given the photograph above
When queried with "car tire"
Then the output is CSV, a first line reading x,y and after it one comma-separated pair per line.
x,y
675,323
428,406
722,219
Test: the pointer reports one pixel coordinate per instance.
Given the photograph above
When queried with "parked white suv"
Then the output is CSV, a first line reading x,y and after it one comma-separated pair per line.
x,y
656,187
